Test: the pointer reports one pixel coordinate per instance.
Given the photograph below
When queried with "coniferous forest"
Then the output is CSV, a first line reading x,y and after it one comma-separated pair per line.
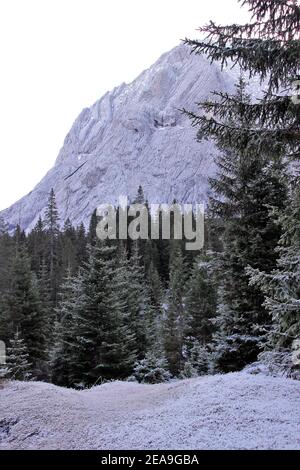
x,y
77,311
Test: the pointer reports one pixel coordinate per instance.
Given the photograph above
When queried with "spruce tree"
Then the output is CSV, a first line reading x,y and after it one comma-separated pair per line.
x,y
7,251
175,321
281,287
81,245
155,285
23,310
37,245
18,363
142,313
119,346
268,47
68,248
3,227
52,244
89,311
152,369
201,302
19,236
64,355
45,305
92,235
139,198
249,183
104,343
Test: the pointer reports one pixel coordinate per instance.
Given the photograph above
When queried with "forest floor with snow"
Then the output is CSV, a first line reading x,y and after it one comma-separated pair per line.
x,y
232,411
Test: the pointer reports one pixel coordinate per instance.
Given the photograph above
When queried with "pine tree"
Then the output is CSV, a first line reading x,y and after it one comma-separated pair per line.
x,y
269,48
201,300
141,245
150,254
88,311
281,286
51,214
248,182
92,234
175,321
198,362
142,313
52,230
7,250
45,305
68,248
104,343
23,310
152,369
119,347
37,245
64,351
19,236
139,198
17,363
155,284
3,226
81,245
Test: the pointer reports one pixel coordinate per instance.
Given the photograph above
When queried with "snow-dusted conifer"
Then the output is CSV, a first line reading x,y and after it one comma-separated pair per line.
x,y
175,321
152,369
281,286
17,362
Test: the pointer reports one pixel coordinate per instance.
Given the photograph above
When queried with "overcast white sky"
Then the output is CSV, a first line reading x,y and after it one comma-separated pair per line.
x,y
59,56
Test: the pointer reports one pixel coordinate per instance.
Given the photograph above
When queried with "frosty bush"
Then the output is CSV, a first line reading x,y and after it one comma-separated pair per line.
x,y
198,362
151,370
3,372
18,366
275,364
189,371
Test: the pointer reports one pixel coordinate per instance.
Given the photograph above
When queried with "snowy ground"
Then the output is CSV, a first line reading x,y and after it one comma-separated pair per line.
x,y
233,411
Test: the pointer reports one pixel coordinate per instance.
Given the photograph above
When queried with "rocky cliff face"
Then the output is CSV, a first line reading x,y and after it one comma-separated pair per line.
x,y
133,135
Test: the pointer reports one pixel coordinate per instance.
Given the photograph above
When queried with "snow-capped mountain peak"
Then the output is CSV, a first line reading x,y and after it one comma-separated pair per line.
x,y
134,135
